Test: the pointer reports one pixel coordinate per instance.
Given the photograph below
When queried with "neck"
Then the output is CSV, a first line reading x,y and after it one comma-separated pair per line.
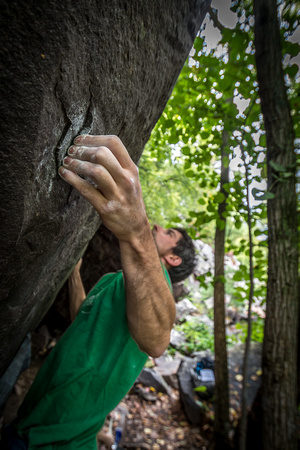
x,y
163,260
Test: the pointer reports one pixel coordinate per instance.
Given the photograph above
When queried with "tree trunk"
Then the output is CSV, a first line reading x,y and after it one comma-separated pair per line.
x,y
243,421
280,339
221,368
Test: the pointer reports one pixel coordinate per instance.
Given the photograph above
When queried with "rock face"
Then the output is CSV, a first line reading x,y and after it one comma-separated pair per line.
x,y
69,68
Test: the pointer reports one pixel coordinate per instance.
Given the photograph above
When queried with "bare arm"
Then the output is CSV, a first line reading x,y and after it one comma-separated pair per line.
x,y
76,290
149,303
118,200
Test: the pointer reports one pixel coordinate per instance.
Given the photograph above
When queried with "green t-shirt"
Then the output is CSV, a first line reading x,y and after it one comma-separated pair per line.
x,y
85,376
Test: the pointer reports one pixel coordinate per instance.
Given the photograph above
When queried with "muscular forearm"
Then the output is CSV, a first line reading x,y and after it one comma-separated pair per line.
x,y
76,292
149,303
117,196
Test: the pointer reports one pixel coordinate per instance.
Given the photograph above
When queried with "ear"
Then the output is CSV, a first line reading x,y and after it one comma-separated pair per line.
x,y
173,260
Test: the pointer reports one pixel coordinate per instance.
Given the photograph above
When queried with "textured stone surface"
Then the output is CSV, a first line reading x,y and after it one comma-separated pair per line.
x,y
149,377
168,370
183,308
68,68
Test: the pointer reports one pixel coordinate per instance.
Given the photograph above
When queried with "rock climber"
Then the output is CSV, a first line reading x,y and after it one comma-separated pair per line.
x,y
127,316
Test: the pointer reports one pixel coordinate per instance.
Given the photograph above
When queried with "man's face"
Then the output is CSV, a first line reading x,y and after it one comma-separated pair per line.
x,y
165,240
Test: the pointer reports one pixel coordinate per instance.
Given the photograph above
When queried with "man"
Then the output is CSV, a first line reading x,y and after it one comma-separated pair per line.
x,y
126,316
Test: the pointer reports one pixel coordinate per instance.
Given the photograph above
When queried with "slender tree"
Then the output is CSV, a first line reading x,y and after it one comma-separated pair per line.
x,y
221,366
280,340
243,423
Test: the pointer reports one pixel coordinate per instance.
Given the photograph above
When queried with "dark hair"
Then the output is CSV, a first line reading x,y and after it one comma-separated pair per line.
x,y
186,250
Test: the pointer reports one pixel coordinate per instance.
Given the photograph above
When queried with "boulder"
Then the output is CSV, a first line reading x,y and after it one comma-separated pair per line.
x,y
194,410
177,338
20,363
183,308
67,68
149,377
192,407
168,370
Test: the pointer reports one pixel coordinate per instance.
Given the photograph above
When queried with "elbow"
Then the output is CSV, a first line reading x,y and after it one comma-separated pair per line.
x,y
156,353
155,350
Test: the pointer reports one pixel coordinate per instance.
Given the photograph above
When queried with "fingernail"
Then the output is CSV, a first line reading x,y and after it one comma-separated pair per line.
x,y
61,171
72,150
66,161
80,138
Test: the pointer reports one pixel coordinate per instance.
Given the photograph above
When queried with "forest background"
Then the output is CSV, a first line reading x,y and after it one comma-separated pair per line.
x,y
205,166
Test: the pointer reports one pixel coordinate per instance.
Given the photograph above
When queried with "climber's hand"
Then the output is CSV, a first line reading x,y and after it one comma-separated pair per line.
x,y
101,170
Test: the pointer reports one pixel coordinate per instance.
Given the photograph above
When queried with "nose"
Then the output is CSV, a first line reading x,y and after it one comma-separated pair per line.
x,y
157,228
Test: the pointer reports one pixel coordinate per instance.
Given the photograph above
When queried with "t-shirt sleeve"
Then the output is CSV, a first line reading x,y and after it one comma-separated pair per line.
x,y
167,277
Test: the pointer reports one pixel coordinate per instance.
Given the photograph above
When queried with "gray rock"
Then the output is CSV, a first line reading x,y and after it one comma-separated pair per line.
x,y
202,354
201,318
149,377
192,408
183,308
206,320
235,367
177,338
67,68
20,363
163,359
168,371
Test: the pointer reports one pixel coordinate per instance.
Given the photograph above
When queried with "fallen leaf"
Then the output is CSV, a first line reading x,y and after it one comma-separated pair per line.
x,y
183,424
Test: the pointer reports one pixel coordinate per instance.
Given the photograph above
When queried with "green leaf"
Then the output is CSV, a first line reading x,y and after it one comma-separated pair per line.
x,y
292,70
268,196
261,195
237,276
185,150
226,161
173,139
258,254
226,187
200,389
262,140
169,123
292,48
221,224
198,44
190,173
205,134
220,197
277,167
220,279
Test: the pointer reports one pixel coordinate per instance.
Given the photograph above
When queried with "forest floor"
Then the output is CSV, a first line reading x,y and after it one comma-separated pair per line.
x,y
159,424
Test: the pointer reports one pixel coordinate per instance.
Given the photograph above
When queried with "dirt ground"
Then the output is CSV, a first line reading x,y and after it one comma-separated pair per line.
x,y
159,424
